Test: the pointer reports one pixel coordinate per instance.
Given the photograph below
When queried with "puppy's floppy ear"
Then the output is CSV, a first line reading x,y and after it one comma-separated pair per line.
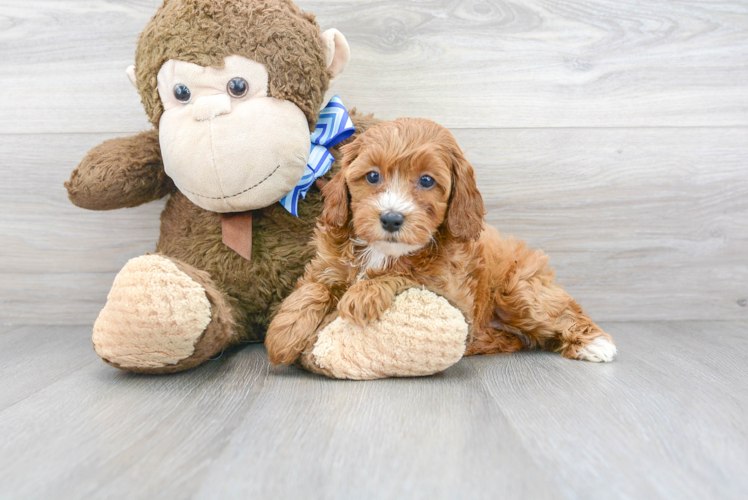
x,y
466,209
335,192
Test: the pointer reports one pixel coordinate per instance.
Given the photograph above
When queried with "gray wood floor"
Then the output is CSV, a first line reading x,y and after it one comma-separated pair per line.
x,y
667,419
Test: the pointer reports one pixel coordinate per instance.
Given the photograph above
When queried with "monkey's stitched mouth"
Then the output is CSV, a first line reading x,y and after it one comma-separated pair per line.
x,y
237,194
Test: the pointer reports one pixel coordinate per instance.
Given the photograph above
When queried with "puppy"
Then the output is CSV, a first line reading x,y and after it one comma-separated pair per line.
x,y
405,211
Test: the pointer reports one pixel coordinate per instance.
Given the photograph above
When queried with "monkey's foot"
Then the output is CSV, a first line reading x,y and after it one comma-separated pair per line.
x,y
161,316
420,334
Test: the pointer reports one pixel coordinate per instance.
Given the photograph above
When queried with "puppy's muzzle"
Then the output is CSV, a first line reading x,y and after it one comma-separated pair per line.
x,y
392,221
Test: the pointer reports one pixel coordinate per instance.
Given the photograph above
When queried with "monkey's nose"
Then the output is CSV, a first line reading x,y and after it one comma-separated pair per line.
x,y
391,221
208,107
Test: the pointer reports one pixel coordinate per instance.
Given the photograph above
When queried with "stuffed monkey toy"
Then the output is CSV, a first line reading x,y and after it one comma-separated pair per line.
x,y
234,90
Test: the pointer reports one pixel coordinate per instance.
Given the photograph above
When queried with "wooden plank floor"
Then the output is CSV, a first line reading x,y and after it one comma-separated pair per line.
x,y
667,419
667,243
464,63
611,134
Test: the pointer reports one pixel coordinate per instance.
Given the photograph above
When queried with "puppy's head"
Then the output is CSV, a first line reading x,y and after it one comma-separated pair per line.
x,y
401,183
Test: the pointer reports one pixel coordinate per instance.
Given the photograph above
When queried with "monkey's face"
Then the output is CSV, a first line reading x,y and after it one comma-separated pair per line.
x,y
226,144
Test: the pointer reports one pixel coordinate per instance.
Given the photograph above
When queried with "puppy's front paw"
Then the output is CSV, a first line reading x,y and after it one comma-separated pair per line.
x,y
365,302
287,336
282,343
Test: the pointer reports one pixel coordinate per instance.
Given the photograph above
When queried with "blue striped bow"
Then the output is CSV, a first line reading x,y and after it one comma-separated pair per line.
x,y
334,126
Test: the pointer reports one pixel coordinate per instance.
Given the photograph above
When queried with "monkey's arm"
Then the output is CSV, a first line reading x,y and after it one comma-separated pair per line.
x,y
120,173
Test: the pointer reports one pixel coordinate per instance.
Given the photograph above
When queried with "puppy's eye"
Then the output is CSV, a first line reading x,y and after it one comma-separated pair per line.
x,y
372,177
182,93
426,182
238,87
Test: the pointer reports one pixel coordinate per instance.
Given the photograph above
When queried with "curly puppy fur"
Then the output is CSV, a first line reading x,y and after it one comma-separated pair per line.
x,y
505,290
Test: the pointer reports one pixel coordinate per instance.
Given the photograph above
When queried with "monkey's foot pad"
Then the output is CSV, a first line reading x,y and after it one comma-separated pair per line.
x,y
154,315
420,334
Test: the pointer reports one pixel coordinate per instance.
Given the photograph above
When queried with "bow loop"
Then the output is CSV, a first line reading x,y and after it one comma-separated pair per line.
x,y
333,126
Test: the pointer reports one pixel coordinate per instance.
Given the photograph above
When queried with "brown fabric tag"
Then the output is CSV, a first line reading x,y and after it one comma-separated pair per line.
x,y
237,233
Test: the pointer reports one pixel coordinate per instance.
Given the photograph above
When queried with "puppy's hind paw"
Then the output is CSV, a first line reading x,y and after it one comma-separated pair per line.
x,y
599,350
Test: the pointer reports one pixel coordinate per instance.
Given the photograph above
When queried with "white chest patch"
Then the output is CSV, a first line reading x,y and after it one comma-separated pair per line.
x,y
380,254
372,258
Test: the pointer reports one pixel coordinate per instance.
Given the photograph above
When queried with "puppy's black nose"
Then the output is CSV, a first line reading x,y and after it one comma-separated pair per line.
x,y
391,221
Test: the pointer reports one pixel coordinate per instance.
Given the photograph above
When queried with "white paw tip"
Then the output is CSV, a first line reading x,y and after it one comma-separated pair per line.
x,y
600,350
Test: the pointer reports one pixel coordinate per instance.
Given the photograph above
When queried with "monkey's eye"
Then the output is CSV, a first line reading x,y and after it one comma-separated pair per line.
x,y
372,178
426,182
182,93
238,87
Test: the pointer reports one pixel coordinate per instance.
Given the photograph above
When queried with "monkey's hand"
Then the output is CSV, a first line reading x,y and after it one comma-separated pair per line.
x,y
120,173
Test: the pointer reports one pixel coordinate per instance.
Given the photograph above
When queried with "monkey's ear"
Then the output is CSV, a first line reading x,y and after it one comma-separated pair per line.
x,y
337,51
131,75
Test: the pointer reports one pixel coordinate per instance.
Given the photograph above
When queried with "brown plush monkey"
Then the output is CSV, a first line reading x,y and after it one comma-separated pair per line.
x,y
233,89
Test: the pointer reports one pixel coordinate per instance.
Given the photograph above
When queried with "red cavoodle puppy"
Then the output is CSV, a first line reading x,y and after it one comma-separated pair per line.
x,y
405,212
